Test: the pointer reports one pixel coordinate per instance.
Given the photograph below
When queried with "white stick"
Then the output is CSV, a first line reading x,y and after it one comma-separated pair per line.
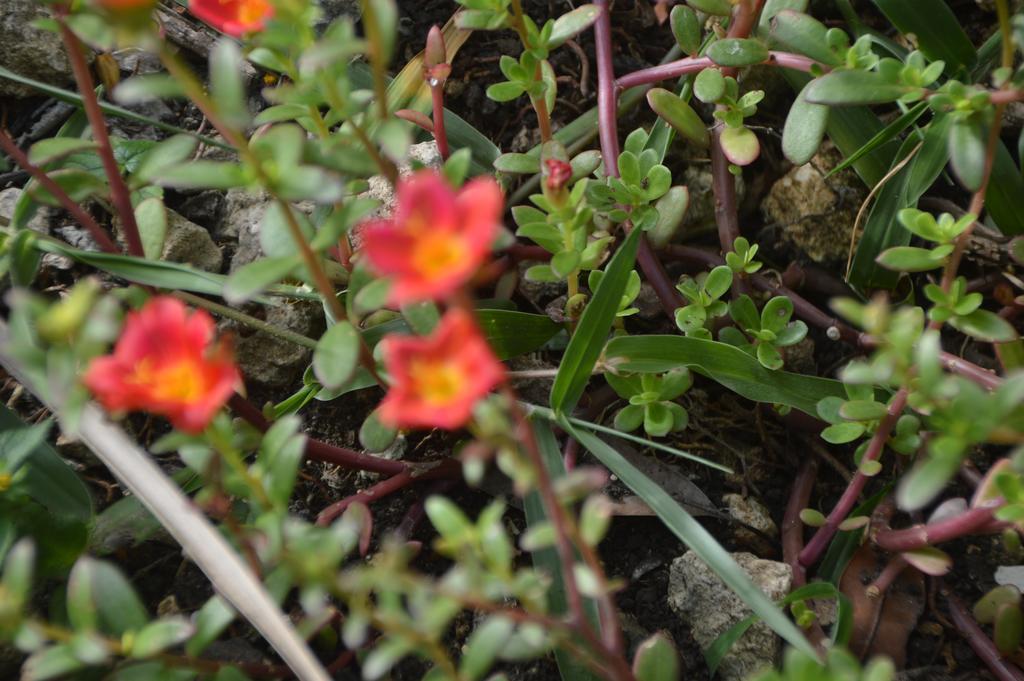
x,y
201,541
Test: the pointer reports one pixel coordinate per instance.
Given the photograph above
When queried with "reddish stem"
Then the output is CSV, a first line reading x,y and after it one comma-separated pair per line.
x,y
440,134
320,451
981,643
973,521
444,469
793,533
119,193
681,67
101,238
819,542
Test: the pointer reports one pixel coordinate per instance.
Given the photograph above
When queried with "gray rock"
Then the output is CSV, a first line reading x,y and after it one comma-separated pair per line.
x,y
187,242
274,362
205,208
750,512
709,607
40,222
813,213
29,51
243,214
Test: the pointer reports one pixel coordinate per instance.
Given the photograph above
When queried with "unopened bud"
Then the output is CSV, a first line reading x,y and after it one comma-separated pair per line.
x,y
559,173
435,53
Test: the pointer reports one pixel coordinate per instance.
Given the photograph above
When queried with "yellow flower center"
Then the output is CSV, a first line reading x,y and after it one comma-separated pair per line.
x,y
434,255
252,11
180,381
437,382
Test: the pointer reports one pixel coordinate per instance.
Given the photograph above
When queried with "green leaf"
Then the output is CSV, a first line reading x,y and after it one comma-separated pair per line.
x,y
1005,187
49,663
884,136
586,344
151,217
517,163
683,525
169,152
505,92
680,115
722,8
571,23
483,646
55,148
799,32
337,355
656,659
804,130
687,29
547,560
882,229
44,475
909,259
226,85
937,30
104,589
740,145
925,481
967,152
709,86
250,280
202,175
985,326
511,333
157,636
737,52
843,88
723,363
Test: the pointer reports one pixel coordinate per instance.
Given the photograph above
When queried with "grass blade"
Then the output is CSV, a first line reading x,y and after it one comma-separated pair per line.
x,y
693,534
723,363
592,331
886,134
569,668
937,29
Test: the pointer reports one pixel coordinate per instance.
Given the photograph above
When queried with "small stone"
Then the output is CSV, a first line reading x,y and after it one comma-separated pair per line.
x,y
813,213
243,213
205,208
751,513
40,222
29,51
272,361
187,242
710,608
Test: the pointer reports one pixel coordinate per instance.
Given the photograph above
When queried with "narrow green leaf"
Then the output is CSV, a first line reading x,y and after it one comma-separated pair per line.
x,y
887,134
248,281
938,31
723,363
843,88
691,533
676,112
592,330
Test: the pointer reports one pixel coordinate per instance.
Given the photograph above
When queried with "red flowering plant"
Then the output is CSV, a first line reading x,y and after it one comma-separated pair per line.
x,y
376,317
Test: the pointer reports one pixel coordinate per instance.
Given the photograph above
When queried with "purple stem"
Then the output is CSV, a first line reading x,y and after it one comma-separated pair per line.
x,y
973,521
819,542
607,110
981,643
681,67
606,95
440,134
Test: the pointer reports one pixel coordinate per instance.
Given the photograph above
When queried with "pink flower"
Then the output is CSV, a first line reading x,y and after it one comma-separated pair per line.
x,y
436,380
437,238
166,362
234,17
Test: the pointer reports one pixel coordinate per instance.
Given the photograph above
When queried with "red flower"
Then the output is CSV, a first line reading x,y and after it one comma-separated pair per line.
x,y
166,362
436,239
436,380
234,17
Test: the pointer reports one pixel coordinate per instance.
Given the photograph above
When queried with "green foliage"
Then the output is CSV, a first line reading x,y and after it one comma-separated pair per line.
x,y
651,401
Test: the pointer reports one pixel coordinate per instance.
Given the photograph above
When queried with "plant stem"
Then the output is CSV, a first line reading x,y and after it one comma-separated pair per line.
x,y
445,469
440,133
980,642
101,238
378,67
681,67
971,521
318,450
119,192
607,125
387,168
819,542
248,320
